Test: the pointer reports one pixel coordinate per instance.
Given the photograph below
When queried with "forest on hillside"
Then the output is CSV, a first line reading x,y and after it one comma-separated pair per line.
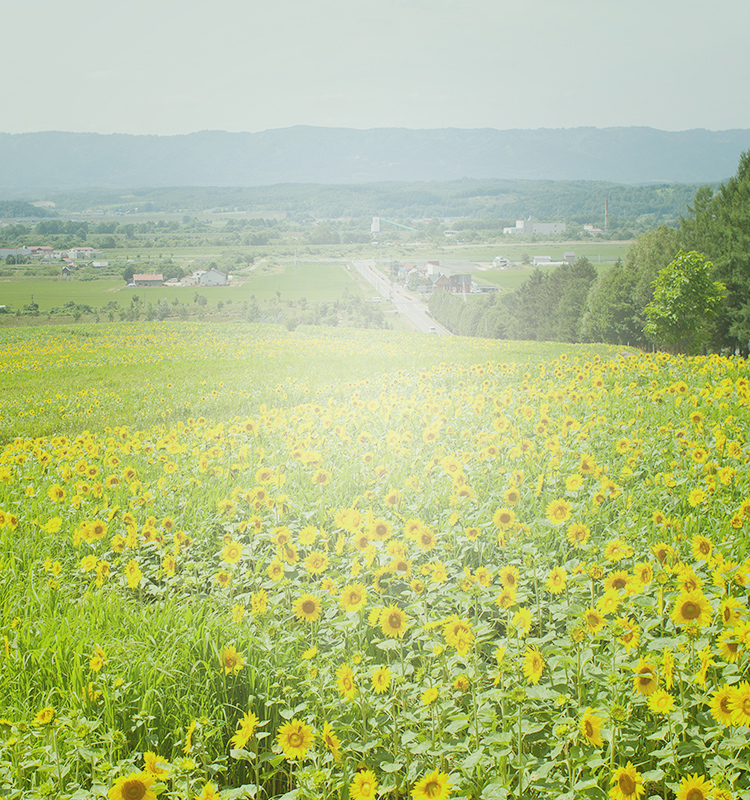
x,y
577,303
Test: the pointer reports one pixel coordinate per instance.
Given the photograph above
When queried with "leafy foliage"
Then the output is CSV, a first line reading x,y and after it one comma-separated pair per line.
x,y
685,301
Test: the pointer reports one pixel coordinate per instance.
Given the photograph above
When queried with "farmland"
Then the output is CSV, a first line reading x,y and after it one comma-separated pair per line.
x,y
243,561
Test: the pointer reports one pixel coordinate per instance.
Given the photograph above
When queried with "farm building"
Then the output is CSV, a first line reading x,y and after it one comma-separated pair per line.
x,y
148,280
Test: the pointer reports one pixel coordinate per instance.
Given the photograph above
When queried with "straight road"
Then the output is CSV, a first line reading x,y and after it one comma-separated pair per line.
x,y
405,302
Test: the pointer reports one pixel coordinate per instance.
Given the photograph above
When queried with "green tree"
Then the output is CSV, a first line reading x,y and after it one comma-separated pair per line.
x,y
685,300
719,227
612,314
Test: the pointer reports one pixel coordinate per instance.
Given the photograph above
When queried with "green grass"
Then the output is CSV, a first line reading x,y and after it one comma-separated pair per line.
x,y
316,281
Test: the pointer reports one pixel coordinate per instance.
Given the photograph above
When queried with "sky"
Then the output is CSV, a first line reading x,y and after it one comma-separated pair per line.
x,y
165,67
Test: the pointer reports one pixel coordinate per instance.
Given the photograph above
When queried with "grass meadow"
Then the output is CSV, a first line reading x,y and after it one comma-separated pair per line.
x,y
244,562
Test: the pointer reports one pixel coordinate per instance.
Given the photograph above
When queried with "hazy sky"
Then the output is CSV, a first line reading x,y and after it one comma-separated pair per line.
x,y
168,67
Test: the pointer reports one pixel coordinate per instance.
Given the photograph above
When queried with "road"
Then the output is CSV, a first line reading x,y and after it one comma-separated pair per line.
x,y
404,302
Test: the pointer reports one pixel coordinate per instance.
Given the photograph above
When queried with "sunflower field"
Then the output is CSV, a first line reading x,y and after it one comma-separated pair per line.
x,y
243,562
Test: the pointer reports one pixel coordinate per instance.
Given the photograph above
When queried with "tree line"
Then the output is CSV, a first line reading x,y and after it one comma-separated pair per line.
x,y
684,287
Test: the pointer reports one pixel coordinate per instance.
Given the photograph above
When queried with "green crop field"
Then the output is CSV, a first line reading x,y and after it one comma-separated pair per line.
x,y
245,562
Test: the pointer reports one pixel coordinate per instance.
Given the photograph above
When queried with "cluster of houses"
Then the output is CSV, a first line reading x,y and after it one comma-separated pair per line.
x,y
47,253
432,276
200,277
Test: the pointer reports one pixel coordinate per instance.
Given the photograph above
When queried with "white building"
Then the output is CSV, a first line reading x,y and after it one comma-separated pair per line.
x,y
527,227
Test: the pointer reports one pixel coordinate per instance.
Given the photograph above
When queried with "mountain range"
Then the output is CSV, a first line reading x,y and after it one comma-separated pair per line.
x,y
53,160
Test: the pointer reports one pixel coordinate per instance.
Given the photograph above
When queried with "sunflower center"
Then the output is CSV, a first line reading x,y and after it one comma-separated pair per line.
x,y
695,794
432,789
308,607
295,739
746,706
133,790
626,784
691,610
394,621
589,728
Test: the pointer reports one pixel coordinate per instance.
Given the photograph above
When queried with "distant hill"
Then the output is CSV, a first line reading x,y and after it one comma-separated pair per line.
x,y
64,161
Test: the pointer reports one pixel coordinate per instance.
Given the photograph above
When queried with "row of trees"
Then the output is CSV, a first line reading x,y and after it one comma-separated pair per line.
x,y
682,288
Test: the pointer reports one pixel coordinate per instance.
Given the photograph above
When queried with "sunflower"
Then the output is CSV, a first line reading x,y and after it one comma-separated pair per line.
x,y
643,574
692,608
208,792
307,607
619,580
702,549
506,598
594,620
662,552
364,786
45,716
533,665
224,578
556,581
434,786
617,550
248,724
259,602
729,649
522,621
154,764
353,597
504,518
136,786
232,552
627,783
316,563
722,703
430,695
559,511
661,702
331,741
381,680
275,570
345,682
590,727
578,534
631,634
458,634
732,610
509,577
295,739
133,573
380,530
645,681
393,622
740,704
694,787
231,660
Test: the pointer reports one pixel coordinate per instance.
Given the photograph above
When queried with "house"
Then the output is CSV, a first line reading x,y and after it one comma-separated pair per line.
x,y
148,280
459,283
569,257
43,251
213,277
542,260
